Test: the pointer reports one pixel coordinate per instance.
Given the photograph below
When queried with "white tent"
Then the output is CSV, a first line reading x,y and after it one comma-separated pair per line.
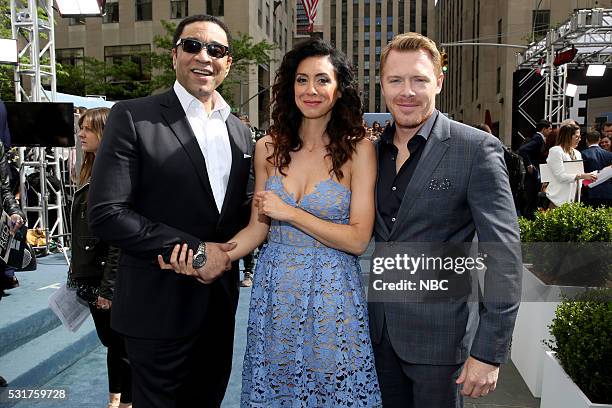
x,y
86,102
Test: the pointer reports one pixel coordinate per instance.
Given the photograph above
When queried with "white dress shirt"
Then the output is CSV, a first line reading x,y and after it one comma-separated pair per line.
x,y
211,133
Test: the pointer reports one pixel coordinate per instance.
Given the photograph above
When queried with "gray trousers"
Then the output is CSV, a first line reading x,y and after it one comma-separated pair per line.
x,y
406,385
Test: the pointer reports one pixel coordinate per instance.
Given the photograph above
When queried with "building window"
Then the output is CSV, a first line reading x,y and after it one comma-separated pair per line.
x,y
540,23
76,21
344,27
144,10
260,13
111,12
333,23
179,9
400,20
268,18
498,80
412,15
215,7
138,54
424,17
499,31
70,56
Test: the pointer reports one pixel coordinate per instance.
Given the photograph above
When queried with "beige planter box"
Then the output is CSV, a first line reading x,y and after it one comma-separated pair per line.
x,y
531,327
559,391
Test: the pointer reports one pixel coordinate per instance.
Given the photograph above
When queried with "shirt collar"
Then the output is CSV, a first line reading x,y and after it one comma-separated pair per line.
x,y
594,145
424,131
188,101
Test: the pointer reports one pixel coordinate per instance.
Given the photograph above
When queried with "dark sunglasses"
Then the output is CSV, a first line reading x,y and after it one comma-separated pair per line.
x,y
192,46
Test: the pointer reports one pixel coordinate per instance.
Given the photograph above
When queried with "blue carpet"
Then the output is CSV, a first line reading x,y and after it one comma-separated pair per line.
x,y
86,383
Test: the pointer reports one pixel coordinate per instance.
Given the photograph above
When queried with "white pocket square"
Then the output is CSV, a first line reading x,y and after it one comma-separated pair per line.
x,y
246,156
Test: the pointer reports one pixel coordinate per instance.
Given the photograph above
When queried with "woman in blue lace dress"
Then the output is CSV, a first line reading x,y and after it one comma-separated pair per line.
x,y
308,341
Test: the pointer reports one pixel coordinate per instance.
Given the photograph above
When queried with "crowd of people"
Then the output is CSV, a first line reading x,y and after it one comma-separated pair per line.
x,y
173,193
557,147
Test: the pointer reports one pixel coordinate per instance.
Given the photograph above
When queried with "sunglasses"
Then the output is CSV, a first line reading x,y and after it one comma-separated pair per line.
x,y
192,46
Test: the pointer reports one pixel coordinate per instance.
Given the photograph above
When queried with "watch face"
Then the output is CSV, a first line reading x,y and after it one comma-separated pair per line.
x,y
198,260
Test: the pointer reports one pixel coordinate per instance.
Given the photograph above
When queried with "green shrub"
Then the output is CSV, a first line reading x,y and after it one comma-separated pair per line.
x,y
570,245
573,222
582,332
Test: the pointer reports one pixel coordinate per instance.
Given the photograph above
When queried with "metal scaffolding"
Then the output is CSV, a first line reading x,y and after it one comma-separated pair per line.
x,y
590,32
32,24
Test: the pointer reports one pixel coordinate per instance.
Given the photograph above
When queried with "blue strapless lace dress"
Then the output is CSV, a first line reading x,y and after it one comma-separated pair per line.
x,y
308,343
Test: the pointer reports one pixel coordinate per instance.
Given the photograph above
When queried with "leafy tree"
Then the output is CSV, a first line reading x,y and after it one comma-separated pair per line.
x,y
7,84
94,77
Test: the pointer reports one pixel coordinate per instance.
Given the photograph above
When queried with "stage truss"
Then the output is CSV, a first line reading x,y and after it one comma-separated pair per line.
x,y
590,32
36,56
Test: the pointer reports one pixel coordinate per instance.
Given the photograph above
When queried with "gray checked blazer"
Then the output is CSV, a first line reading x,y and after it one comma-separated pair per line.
x,y
472,197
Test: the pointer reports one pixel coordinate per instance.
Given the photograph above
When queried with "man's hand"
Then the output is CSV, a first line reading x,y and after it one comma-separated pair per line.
x,y
16,222
478,378
217,261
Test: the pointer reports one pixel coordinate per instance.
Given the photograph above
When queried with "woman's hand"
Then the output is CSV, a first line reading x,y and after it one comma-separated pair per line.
x,y
271,205
103,303
588,176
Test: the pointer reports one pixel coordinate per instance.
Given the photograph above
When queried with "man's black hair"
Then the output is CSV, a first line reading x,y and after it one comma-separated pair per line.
x,y
543,124
201,17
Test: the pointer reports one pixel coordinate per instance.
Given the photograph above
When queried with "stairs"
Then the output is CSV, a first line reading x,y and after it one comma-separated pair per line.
x,y
34,346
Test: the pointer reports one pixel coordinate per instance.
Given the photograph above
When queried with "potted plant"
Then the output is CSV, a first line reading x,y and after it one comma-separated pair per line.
x,y
566,245
565,250
578,369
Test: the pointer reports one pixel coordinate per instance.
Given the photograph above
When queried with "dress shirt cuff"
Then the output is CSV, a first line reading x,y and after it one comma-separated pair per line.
x,y
485,361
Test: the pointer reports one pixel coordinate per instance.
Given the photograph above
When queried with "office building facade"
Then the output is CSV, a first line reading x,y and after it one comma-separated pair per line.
x,y
128,28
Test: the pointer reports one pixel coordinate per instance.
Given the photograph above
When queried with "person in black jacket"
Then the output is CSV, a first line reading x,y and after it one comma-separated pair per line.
x,y
531,153
94,266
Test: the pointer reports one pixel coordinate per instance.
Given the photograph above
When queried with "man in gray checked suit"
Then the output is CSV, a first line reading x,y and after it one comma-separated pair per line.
x,y
440,181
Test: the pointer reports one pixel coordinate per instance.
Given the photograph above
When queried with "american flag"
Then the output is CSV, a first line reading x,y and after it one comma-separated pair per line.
x,y
310,6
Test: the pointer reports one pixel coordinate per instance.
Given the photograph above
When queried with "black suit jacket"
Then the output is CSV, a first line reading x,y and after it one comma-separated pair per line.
x,y
150,191
596,158
532,150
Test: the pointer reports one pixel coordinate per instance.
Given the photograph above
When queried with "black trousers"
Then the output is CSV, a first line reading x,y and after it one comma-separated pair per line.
x,y
185,372
406,385
532,188
119,370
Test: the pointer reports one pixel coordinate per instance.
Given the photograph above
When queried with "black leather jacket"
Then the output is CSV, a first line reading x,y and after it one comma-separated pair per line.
x,y
9,204
94,262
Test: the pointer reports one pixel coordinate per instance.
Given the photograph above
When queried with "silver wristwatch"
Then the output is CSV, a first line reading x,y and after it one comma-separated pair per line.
x,y
199,258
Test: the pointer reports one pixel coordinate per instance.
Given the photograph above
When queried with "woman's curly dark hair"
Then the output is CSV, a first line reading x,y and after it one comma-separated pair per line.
x,y
345,128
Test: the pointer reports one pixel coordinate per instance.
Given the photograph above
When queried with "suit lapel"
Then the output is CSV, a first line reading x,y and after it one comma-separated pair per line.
x,y
237,159
174,115
435,149
380,225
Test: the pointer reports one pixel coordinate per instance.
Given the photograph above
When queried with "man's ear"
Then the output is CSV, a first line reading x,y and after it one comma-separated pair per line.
x,y
229,64
174,58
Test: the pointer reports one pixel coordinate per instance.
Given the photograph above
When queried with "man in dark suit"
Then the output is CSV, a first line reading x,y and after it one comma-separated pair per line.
x,y
595,158
439,181
531,152
173,169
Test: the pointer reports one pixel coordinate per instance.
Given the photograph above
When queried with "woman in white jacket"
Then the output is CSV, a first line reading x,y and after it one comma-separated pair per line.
x,y
564,186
